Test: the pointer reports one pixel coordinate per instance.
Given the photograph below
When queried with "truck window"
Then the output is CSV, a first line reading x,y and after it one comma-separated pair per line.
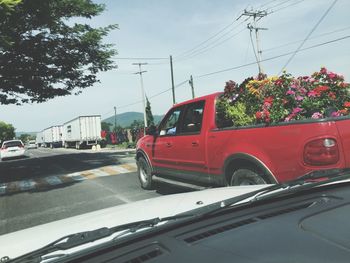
x,y
168,126
220,118
193,117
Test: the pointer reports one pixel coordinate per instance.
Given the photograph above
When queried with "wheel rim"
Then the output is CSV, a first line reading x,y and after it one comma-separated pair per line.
x,y
240,181
143,174
246,182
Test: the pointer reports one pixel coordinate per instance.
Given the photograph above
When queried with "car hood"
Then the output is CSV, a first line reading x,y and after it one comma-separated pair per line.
x,y
23,241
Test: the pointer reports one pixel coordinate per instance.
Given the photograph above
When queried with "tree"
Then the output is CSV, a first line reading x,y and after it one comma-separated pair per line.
x,y
7,131
136,124
106,126
149,115
43,55
26,137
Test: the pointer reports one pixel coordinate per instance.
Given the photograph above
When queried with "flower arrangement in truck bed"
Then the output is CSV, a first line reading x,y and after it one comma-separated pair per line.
x,y
283,99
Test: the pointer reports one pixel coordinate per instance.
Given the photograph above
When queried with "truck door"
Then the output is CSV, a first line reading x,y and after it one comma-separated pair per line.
x,y
181,150
190,143
163,145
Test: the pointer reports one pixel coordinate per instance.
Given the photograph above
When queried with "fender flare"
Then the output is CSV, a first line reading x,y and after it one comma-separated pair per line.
x,y
250,159
141,153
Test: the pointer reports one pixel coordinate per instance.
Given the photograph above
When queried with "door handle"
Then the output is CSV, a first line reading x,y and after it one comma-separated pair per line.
x,y
194,144
168,144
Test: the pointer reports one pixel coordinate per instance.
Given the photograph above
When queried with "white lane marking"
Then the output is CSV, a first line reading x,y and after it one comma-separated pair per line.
x,y
53,180
76,176
99,173
119,169
26,185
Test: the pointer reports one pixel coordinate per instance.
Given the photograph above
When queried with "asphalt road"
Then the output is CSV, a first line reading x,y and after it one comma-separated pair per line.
x,y
52,184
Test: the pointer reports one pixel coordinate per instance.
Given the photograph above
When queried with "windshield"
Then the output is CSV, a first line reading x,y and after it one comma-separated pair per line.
x,y
121,102
12,144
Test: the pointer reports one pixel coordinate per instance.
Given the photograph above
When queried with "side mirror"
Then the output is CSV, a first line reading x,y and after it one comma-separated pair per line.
x,y
151,130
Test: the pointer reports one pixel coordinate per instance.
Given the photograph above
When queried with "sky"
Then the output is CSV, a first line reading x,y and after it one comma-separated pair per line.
x,y
203,36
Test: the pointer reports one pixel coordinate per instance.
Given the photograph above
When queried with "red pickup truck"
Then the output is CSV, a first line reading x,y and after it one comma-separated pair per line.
x,y
190,145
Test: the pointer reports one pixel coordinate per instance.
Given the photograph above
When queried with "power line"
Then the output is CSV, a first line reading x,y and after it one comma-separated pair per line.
x,y
279,4
205,41
153,96
287,6
209,45
298,41
218,44
135,58
307,37
272,58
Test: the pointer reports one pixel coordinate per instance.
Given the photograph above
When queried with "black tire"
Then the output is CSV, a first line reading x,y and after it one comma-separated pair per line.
x,y
144,174
246,176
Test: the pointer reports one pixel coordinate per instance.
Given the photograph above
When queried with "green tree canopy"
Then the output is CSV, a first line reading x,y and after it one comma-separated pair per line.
x,y
26,137
149,115
44,54
7,131
106,126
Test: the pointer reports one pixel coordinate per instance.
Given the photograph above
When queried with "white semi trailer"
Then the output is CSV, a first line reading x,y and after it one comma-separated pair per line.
x,y
82,132
39,140
52,136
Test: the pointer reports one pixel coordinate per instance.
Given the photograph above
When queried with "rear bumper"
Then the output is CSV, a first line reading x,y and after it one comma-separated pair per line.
x,y
12,154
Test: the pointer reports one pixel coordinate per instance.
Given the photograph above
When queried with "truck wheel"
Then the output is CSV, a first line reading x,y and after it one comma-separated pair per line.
x,y
246,176
144,174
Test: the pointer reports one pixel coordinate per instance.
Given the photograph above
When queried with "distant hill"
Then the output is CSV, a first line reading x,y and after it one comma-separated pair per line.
x,y
21,132
126,118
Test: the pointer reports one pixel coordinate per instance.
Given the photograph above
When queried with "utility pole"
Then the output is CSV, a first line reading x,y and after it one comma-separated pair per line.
x,y
257,15
115,119
172,78
191,84
140,72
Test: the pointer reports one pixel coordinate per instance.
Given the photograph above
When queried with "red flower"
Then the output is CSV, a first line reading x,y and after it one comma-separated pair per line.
x,y
332,95
343,112
268,100
258,115
347,104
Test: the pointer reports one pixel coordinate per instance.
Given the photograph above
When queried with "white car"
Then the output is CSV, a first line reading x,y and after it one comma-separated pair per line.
x,y
12,148
31,144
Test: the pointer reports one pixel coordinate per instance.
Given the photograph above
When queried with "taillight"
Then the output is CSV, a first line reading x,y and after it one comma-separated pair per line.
x,y
321,152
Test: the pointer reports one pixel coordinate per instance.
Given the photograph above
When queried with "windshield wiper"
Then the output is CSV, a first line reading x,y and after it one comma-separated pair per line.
x,y
305,182
82,238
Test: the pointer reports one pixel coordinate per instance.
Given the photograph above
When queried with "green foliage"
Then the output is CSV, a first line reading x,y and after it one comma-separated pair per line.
x,y
7,131
42,56
238,114
149,115
105,126
26,137
136,124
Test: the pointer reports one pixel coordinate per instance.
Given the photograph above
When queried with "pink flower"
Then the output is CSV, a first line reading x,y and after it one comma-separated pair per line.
x,y
289,117
335,114
299,98
296,110
323,70
290,92
332,75
311,80
317,115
